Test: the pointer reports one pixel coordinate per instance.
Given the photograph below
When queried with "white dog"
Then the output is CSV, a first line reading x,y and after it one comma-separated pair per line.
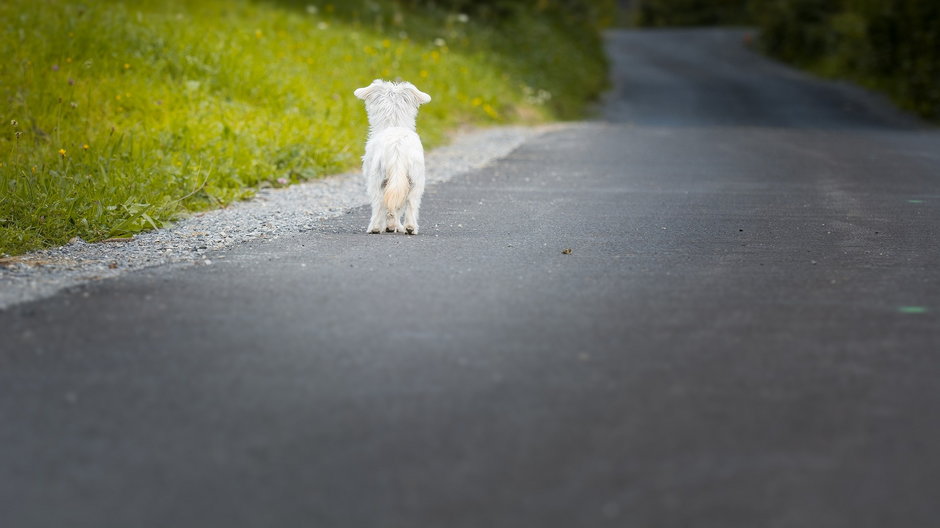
x,y
394,161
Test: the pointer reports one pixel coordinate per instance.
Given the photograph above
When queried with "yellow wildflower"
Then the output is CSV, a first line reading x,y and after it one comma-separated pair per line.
x,y
62,152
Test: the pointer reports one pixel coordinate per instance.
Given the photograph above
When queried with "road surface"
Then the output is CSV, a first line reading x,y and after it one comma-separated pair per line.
x,y
745,333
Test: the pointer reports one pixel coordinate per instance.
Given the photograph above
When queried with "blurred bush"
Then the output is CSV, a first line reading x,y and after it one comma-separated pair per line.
x,y
596,13
889,46
661,13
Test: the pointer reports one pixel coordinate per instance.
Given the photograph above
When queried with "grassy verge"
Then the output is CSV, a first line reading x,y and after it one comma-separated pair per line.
x,y
121,116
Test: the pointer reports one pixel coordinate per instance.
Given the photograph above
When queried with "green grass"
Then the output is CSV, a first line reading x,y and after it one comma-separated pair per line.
x,y
122,116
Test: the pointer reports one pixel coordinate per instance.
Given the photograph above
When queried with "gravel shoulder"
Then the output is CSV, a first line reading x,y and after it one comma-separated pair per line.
x,y
269,215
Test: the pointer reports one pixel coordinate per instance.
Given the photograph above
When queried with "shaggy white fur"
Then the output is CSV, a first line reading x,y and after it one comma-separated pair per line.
x,y
393,164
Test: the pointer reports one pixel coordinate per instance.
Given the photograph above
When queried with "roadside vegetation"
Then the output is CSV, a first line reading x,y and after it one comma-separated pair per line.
x,y
120,116
890,46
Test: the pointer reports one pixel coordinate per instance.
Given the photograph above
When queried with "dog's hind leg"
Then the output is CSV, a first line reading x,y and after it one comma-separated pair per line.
x,y
411,212
377,223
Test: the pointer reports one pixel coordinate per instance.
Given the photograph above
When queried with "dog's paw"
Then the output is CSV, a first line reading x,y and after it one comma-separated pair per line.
x,y
411,230
373,230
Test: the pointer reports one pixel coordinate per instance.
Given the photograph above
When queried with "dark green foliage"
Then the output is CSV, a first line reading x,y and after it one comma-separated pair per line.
x,y
889,46
793,30
659,13
892,46
596,13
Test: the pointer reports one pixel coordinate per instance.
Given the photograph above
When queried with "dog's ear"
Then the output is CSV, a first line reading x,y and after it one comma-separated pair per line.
x,y
419,96
363,93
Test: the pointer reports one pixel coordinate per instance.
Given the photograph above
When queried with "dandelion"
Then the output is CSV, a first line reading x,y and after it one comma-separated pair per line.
x,y
127,66
258,33
62,152
476,101
69,60
34,169
423,73
386,43
85,146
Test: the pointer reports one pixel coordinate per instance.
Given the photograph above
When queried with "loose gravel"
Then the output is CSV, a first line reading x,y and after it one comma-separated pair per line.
x,y
269,215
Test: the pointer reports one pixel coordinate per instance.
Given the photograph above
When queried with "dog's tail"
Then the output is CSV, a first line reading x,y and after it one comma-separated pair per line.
x,y
397,184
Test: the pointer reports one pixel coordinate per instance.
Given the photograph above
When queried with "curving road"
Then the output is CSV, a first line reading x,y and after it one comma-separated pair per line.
x,y
745,333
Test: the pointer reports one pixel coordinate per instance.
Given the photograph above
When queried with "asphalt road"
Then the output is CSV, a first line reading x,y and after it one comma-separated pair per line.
x,y
745,334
